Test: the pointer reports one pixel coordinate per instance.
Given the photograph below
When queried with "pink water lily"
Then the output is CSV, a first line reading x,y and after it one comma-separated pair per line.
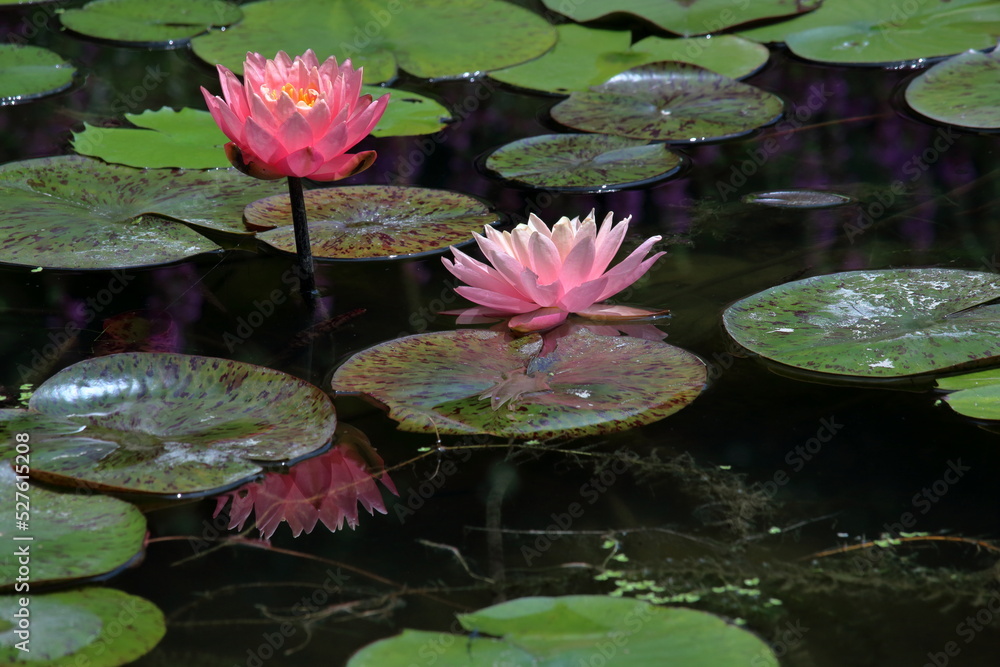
x,y
295,117
540,275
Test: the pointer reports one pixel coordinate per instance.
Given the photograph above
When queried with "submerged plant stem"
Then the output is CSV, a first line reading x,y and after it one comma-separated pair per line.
x,y
302,246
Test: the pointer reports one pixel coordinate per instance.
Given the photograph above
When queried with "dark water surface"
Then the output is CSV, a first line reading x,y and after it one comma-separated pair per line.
x,y
832,465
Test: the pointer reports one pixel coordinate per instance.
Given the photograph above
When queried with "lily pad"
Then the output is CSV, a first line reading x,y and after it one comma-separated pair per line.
x,y
585,57
149,22
797,199
583,162
874,324
30,72
572,630
683,17
419,36
70,535
860,32
75,212
473,381
670,101
408,114
188,139
976,395
167,423
373,221
962,90
98,627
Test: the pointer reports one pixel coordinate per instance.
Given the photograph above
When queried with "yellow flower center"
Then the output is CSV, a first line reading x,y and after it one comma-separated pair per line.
x,y
303,97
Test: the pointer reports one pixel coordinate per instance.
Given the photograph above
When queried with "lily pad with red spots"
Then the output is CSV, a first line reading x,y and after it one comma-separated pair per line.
x,y
684,17
373,221
74,212
874,324
78,536
166,423
670,101
474,381
583,162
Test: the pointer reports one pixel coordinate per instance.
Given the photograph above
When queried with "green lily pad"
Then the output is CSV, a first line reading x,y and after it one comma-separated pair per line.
x,y
683,17
873,33
585,57
167,423
75,212
976,395
30,72
97,627
873,324
149,22
70,535
407,114
473,381
373,221
797,199
583,162
572,630
960,91
670,101
419,36
188,139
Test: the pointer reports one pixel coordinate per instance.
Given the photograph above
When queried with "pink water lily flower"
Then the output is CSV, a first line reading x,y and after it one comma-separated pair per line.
x,y
540,275
295,118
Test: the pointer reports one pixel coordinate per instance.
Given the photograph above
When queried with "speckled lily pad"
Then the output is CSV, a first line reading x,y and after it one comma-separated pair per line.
x,y
874,324
585,57
76,535
684,17
75,212
373,221
583,162
963,90
149,22
97,627
167,423
427,38
474,381
30,72
670,101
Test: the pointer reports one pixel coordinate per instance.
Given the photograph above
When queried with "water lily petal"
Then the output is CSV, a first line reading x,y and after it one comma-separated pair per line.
x,y
496,302
343,166
538,320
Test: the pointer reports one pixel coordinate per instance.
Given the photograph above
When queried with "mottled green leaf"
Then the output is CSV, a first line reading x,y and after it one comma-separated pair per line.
x,y
878,324
188,139
580,630
963,90
30,72
407,113
684,17
97,627
975,395
583,162
373,221
670,101
75,212
473,381
884,33
585,57
167,423
433,39
149,22
71,535
797,199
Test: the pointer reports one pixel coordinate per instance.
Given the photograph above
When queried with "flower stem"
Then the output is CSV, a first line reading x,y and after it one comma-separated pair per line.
x,y
303,248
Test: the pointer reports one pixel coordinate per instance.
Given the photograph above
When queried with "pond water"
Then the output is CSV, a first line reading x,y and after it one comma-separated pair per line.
x,y
700,503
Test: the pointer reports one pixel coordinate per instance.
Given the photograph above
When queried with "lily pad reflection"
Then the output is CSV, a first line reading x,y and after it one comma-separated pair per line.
x,y
473,381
